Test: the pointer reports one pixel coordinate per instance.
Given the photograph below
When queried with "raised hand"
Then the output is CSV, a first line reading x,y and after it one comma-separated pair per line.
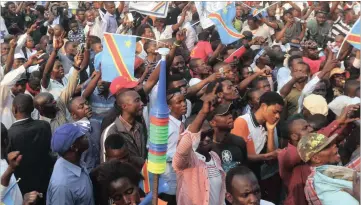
x,y
78,59
271,126
32,28
13,43
31,197
181,35
209,101
347,114
214,76
14,159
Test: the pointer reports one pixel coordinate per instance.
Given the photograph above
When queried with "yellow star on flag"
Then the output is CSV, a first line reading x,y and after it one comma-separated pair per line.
x,y
225,10
128,44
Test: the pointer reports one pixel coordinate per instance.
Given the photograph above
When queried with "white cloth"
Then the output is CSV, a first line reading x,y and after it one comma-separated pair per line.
x,y
20,44
283,76
263,202
15,192
205,8
215,181
340,102
190,34
307,90
142,54
3,30
194,81
95,29
6,97
264,31
165,34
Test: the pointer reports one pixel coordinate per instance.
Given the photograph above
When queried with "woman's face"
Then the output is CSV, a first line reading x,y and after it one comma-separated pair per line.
x,y
123,192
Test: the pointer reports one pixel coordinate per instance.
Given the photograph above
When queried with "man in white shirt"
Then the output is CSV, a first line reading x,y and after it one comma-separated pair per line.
x,y
93,24
284,73
253,25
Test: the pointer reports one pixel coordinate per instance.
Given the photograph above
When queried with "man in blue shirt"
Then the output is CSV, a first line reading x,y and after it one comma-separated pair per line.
x,y
70,183
81,112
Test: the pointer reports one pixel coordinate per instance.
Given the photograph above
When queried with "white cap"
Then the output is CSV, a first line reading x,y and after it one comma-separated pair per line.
x,y
340,102
19,55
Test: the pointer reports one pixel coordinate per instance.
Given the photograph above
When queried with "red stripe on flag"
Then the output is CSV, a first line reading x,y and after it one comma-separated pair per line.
x,y
117,57
353,37
229,31
146,183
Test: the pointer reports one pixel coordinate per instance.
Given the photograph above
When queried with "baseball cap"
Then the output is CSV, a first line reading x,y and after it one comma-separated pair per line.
x,y
313,143
22,79
220,110
19,56
316,104
120,83
337,71
64,136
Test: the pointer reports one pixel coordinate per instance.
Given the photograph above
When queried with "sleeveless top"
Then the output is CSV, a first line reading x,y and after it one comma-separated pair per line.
x,y
142,54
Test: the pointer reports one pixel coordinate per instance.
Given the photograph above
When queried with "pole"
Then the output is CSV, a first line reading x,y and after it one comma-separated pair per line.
x,y
155,189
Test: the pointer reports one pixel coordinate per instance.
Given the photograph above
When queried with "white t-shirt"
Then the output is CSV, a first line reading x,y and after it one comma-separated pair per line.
x,y
165,34
215,182
263,31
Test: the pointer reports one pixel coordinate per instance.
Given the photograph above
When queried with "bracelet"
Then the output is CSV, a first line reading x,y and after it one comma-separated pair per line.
x,y
76,67
175,44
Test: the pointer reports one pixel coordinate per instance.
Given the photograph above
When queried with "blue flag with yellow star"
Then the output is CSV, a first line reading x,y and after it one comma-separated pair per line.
x,y
223,19
118,56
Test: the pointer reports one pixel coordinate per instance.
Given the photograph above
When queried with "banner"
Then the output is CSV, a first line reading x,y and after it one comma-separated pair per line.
x,y
206,8
157,8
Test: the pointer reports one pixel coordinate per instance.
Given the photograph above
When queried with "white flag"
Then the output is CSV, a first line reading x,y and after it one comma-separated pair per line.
x,y
205,8
158,8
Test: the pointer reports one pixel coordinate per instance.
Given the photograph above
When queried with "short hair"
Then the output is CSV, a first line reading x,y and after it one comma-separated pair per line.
x,y
305,64
67,44
271,98
349,84
318,120
257,80
193,63
114,170
141,29
211,86
218,66
147,44
204,35
249,93
114,141
73,21
292,58
24,104
289,124
70,103
80,9
95,39
237,171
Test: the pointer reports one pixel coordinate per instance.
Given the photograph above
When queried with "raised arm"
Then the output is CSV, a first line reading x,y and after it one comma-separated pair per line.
x,y
92,84
303,31
244,83
286,89
215,54
281,34
193,90
180,23
10,58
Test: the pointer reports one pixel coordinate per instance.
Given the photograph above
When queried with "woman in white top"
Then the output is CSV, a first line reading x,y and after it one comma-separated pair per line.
x,y
144,31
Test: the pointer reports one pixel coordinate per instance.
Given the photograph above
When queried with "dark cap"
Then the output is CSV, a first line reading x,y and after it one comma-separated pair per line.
x,y
23,79
220,110
247,35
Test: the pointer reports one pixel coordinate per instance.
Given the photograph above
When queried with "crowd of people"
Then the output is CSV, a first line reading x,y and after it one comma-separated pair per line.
x,y
272,118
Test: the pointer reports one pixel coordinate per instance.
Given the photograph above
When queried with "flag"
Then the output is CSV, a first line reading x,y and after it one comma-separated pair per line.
x,y
205,8
236,54
223,21
157,9
7,199
353,36
117,58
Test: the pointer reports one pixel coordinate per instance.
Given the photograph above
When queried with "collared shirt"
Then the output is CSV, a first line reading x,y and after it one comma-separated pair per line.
x,y
192,174
100,104
283,76
55,87
95,28
91,157
310,191
69,184
339,27
165,34
135,137
110,24
6,96
62,101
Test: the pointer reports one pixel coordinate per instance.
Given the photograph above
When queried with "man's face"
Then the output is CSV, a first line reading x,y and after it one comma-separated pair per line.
x,y
97,48
110,7
49,108
152,47
301,68
80,108
229,91
58,30
5,48
294,62
263,85
245,191
299,129
246,72
339,80
123,192
159,22
12,8
178,65
223,122
71,48
328,155
321,18
350,16
103,86
271,113
265,59
81,15
29,42
18,62
177,104
255,96
252,24
132,103
202,68
238,11
182,85
58,70
148,33
74,27
313,53
89,15
121,154
228,72
18,88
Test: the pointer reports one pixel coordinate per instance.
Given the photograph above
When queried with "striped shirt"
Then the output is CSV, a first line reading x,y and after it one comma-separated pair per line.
x,y
310,191
339,27
100,105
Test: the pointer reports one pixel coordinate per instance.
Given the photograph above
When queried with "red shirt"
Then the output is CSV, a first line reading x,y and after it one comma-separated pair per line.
x,y
314,64
202,50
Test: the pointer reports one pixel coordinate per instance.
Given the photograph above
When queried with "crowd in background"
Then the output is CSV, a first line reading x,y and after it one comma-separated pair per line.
x,y
272,118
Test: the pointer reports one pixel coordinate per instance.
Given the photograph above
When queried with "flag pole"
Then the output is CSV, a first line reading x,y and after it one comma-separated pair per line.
x,y
338,53
158,138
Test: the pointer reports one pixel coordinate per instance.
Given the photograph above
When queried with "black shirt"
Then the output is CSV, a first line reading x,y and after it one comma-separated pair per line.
x,y
232,152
